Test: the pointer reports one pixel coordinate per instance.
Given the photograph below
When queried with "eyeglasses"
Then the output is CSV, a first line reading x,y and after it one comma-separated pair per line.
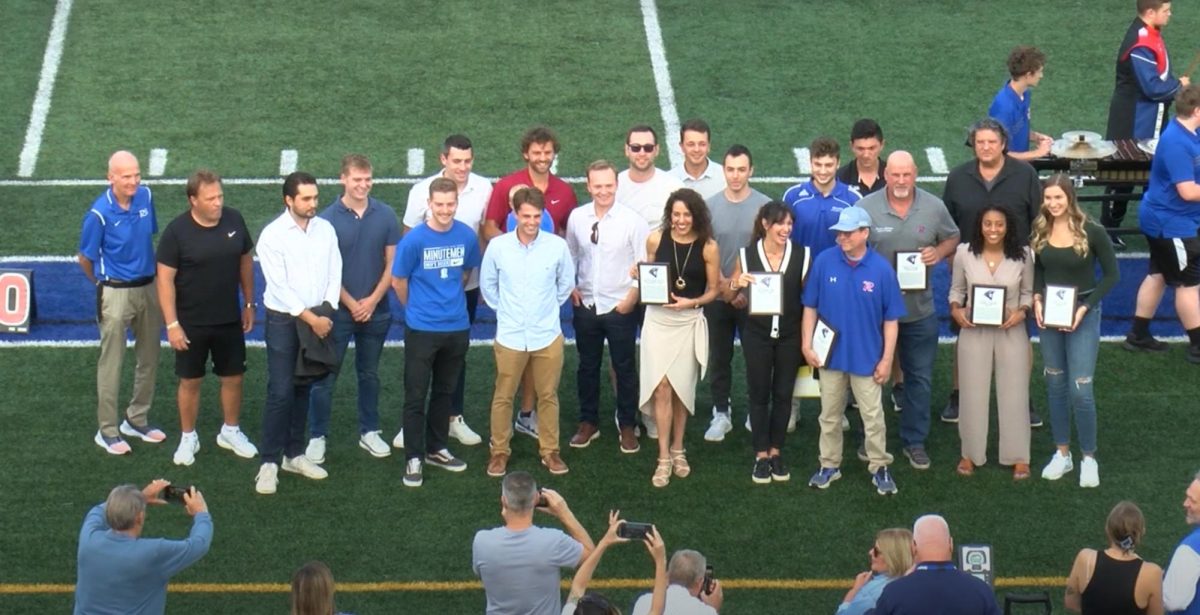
x,y
595,232
637,148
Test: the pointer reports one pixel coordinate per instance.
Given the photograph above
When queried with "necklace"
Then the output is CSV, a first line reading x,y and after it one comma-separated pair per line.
x,y
680,283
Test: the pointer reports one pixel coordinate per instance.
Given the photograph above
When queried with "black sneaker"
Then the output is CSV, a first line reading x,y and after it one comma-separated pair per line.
x,y
1144,344
950,412
1035,419
897,395
779,470
862,452
762,471
1193,354
1117,242
443,459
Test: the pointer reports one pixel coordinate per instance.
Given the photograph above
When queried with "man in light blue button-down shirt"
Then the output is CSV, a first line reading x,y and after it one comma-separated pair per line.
x,y
526,276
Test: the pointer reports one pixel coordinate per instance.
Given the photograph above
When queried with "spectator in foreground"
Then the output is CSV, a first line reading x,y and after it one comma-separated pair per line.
x,y
121,572
1183,573
890,557
580,603
935,586
689,592
519,562
1116,580
312,590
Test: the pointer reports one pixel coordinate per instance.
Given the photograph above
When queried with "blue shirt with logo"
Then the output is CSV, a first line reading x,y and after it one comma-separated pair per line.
x,y
855,298
362,242
434,262
813,213
119,242
1010,110
1163,213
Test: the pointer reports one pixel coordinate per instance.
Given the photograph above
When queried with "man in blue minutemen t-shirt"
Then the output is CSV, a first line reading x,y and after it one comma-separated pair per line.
x,y
429,275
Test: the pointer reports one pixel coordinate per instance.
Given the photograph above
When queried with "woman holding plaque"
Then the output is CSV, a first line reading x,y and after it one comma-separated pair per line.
x,y
771,271
1066,303
990,295
674,348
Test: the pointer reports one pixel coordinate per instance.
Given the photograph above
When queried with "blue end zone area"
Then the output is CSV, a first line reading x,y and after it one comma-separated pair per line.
x,y
67,309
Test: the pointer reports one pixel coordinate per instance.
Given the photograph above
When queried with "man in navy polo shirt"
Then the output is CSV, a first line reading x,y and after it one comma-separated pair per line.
x,y
1170,217
1012,103
367,232
116,253
429,275
817,202
854,291
935,586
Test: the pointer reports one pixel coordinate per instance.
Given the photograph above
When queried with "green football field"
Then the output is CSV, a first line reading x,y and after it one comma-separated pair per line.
x,y
245,87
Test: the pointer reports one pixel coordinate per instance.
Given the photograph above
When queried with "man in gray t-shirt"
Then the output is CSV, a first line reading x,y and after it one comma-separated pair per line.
x,y
519,562
733,211
905,218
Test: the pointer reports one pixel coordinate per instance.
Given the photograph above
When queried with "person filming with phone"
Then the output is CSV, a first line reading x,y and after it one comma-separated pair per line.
x,y
122,572
693,589
519,562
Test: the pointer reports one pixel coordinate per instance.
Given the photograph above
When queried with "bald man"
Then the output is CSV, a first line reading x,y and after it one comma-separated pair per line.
x,y
935,586
905,218
116,253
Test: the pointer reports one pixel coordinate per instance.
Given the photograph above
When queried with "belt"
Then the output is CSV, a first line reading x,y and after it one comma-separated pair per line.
x,y
136,283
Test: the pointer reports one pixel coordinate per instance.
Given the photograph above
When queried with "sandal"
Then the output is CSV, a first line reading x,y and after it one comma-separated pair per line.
x,y
1020,471
662,473
682,469
966,467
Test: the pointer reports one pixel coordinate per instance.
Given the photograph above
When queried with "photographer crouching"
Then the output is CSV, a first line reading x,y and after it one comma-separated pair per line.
x,y
121,572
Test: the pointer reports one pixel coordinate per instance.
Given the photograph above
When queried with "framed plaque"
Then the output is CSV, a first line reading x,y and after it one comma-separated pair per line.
x,y
766,294
1058,306
987,305
911,272
652,283
824,337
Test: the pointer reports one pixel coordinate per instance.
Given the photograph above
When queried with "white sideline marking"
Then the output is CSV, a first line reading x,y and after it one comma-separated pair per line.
x,y
803,162
45,89
662,80
937,160
158,162
416,161
288,159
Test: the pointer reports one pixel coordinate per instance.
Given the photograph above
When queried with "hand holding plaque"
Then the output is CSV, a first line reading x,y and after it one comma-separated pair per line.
x,y
652,283
1058,306
824,337
911,271
987,305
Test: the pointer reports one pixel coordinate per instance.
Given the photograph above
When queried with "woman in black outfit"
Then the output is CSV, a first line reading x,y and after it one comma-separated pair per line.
x,y
771,344
1116,581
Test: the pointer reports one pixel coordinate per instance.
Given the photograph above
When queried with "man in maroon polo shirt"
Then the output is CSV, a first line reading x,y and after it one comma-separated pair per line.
x,y
539,145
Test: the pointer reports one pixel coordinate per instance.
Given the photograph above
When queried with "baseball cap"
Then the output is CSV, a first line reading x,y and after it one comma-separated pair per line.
x,y
852,219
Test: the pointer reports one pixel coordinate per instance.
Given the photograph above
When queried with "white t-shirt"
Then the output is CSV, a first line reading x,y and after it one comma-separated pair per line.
x,y
472,204
648,198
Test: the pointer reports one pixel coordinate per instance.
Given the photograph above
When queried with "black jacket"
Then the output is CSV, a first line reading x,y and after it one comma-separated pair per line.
x,y
316,357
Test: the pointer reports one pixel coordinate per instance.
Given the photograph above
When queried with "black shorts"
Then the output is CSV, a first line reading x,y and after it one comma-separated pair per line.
x,y
1176,260
225,343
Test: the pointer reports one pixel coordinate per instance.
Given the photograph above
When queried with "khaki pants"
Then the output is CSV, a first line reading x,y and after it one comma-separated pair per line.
x,y
833,406
546,365
983,351
121,309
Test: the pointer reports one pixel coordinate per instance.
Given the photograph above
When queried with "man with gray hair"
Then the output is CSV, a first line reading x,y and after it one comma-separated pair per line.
x,y
121,572
519,562
935,586
688,592
1183,573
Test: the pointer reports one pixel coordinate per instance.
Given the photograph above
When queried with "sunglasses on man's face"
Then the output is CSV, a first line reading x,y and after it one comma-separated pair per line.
x,y
638,148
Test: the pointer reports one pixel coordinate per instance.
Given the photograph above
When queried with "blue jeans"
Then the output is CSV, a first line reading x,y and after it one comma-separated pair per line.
x,y
1071,358
621,332
918,349
368,345
287,402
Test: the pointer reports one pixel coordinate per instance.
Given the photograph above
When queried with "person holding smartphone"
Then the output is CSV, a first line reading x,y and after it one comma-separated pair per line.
x,y
692,590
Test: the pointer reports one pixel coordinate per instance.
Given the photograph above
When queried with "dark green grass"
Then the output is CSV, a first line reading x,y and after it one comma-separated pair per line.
x,y
370,528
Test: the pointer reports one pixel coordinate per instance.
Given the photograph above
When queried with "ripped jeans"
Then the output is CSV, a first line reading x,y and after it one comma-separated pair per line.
x,y
1070,367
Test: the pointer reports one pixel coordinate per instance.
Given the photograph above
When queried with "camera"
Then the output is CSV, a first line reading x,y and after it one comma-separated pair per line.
x,y
708,586
630,530
173,494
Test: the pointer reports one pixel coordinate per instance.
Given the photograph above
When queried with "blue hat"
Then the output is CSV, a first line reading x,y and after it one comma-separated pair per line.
x,y
852,219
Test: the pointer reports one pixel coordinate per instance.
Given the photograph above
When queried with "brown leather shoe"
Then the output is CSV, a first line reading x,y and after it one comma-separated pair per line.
x,y
629,441
587,432
555,464
497,465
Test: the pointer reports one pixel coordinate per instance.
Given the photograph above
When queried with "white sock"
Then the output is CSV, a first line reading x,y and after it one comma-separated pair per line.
x,y
189,435
229,429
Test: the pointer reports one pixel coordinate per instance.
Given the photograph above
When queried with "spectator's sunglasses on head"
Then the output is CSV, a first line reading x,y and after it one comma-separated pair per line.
x,y
596,232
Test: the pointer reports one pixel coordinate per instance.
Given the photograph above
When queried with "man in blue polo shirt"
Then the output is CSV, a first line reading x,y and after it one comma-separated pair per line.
x,y
429,275
935,586
1169,217
116,253
817,202
367,232
1013,102
854,291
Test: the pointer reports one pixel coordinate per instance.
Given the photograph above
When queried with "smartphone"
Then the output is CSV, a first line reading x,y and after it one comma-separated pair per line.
x,y
174,494
633,531
542,502
708,586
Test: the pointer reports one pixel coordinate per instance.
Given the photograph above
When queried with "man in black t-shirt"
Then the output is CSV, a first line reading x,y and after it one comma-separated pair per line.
x,y
203,257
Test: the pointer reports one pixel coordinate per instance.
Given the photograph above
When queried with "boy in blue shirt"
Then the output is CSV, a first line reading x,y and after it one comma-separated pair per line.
x,y
816,203
1011,106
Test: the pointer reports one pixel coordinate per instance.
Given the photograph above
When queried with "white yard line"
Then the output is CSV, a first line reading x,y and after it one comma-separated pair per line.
x,y
803,161
662,81
275,181
937,160
45,89
158,163
416,161
288,159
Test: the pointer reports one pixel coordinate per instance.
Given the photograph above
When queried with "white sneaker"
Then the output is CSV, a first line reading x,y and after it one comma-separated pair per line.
x,y
795,416
719,426
236,441
370,442
302,466
398,441
459,430
185,455
1089,472
651,426
315,451
845,423
527,424
267,480
1059,465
